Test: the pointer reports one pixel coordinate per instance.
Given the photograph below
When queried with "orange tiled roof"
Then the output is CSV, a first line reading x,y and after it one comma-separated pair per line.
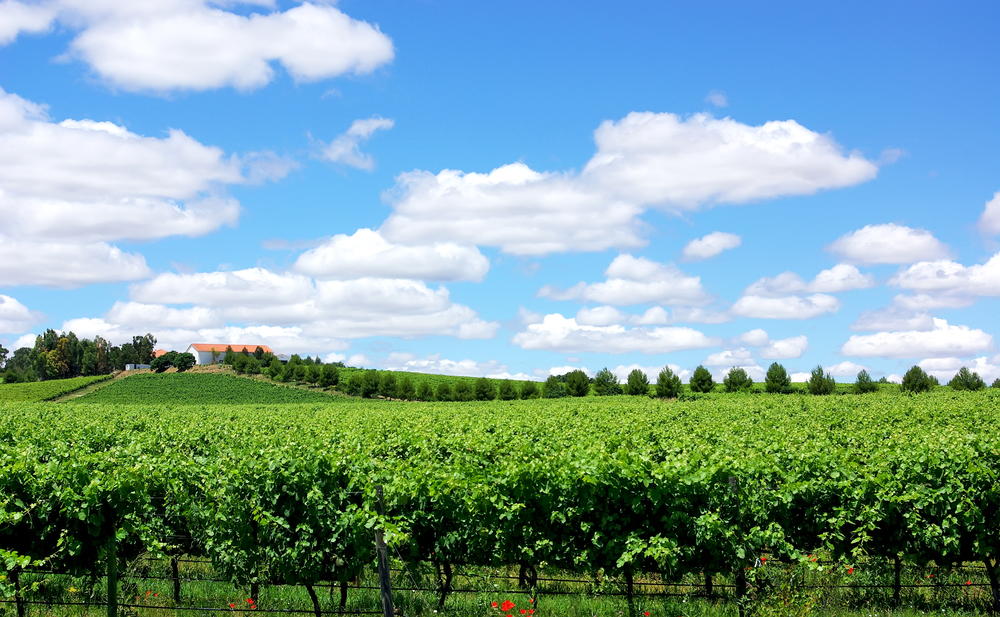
x,y
221,347
159,352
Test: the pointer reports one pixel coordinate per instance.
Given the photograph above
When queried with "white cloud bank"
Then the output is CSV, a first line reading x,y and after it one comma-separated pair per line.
x,y
946,368
68,188
15,317
558,333
346,148
436,365
367,254
710,245
646,160
632,280
164,45
943,340
888,244
788,307
948,283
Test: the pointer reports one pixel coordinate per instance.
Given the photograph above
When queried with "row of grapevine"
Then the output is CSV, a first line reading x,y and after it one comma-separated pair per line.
x,y
284,494
45,390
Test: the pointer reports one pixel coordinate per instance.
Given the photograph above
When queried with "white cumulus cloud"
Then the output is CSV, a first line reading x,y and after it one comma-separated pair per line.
x,y
15,317
943,340
646,160
888,244
788,307
892,318
435,364
842,277
989,222
787,348
946,368
558,333
192,45
632,280
710,245
950,282
367,254
845,369
346,148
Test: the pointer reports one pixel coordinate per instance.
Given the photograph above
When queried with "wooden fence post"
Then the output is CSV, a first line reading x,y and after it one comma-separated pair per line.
x,y
741,577
382,556
113,572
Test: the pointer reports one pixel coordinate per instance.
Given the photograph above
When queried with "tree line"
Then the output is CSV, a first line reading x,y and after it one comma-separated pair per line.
x,y
61,355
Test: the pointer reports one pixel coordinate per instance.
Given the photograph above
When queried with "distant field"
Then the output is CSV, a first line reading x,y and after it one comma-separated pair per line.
x,y
45,390
204,388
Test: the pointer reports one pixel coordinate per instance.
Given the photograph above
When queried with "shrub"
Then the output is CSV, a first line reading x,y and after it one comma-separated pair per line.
x,y
967,380
184,361
702,380
484,390
777,380
299,372
507,390
355,384
313,373
406,391
275,368
996,383
464,392
637,383
162,363
529,389
606,383
425,392
553,388
239,363
577,383
387,385
820,384
864,383
11,376
668,384
330,376
370,381
444,392
737,380
230,356
916,380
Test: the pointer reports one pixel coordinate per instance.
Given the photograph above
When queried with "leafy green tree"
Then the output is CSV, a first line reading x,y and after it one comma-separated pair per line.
x,y
163,362
425,392
864,383
529,390
777,381
464,391
996,383
11,376
184,360
313,373
406,390
508,392
606,383
637,383
57,360
239,363
916,380
387,385
668,383
553,388
701,380
330,376
967,380
258,353
144,346
737,380
577,383
370,381
484,390
299,372
275,368
820,384
444,392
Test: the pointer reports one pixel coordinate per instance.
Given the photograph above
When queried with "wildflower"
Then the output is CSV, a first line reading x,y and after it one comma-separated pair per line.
x,y
524,611
646,613
249,600
231,605
850,570
763,559
531,611
156,595
495,605
531,600
507,606
968,582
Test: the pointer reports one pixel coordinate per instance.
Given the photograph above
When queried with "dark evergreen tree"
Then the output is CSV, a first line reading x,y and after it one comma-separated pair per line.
x,y
737,380
701,380
577,383
777,381
668,383
637,383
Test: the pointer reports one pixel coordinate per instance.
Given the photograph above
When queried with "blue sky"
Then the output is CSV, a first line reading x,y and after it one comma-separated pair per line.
x,y
507,189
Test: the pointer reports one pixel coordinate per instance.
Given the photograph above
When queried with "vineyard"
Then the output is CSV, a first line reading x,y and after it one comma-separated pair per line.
x,y
620,488
45,390
191,388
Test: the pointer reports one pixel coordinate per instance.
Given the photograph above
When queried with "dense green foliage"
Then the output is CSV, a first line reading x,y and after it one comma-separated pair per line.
x,y
819,383
195,388
737,380
45,390
864,383
637,383
776,380
284,494
577,383
916,380
606,383
668,384
967,380
701,380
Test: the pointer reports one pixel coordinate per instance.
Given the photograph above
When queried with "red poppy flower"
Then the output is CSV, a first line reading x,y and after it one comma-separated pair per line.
x,y
850,570
763,559
506,606
249,600
232,605
524,611
156,595
495,605
968,582
646,613
531,611
531,600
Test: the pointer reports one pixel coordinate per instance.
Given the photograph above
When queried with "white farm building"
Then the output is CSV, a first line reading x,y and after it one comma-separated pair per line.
x,y
212,353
